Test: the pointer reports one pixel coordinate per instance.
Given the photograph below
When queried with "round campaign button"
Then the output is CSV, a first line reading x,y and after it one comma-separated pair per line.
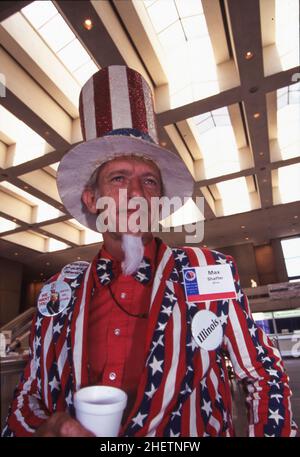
x,y
54,298
207,330
74,269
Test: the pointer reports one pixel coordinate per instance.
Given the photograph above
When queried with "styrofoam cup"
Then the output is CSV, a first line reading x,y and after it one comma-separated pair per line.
x,y
100,409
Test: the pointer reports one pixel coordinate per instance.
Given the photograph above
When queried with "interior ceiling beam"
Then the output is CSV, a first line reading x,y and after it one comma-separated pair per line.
x,y
104,52
284,78
245,15
228,97
19,109
8,8
38,194
36,164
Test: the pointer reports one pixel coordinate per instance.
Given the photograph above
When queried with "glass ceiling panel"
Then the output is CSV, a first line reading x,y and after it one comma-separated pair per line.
x,y
289,183
235,196
181,28
288,120
55,245
56,33
291,253
189,213
90,236
6,225
217,143
25,143
44,211
287,43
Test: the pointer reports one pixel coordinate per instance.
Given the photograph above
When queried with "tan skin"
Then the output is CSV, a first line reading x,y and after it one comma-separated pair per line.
x,y
141,178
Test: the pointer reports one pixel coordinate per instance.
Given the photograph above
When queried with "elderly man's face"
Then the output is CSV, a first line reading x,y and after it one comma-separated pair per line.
x,y
139,177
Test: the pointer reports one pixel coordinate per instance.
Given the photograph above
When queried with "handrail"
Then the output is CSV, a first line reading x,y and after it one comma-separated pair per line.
x,y
21,324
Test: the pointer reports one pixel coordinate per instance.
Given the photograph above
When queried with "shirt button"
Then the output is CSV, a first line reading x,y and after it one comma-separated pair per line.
x,y
117,331
123,295
112,376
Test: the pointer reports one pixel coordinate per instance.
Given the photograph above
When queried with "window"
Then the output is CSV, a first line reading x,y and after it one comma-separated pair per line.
x,y
291,253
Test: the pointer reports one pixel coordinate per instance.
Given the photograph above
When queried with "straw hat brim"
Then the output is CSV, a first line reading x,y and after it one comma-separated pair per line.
x,y
78,164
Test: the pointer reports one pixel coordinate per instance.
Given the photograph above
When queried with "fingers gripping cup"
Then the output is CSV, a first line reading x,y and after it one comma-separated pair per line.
x,y
100,409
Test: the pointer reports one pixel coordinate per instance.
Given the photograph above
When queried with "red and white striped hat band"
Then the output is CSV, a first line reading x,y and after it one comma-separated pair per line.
x,y
117,100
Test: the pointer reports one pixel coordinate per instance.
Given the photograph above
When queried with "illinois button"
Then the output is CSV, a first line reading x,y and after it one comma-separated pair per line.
x,y
207,330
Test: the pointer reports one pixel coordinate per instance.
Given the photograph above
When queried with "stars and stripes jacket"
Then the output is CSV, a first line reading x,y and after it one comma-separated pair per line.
x,y
184,390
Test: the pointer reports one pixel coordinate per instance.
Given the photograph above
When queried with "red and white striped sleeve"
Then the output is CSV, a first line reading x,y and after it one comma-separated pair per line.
x,y
27,411
259,365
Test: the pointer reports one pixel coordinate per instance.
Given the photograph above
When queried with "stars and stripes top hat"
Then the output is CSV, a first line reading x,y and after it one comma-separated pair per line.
x,y
117,119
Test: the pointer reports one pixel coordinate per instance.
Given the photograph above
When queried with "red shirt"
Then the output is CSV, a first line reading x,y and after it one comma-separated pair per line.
x,y
116,341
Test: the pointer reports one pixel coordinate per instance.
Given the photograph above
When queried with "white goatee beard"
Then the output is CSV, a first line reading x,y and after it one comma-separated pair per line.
x,y
133,249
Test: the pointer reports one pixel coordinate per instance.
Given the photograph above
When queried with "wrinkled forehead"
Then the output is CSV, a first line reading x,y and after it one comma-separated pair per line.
x,y
128,161
123,162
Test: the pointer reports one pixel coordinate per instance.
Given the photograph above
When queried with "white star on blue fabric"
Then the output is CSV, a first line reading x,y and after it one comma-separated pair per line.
x,y
221,261
170,297
252,330
260,349
186,390
161,326
223,318
239,295
273,383
167,310
207,407
275,416
193,344
177,412
54,384
272,372
277,396
37,342
180,256
151,392
138,420
38,322
156,365
57,328
75,284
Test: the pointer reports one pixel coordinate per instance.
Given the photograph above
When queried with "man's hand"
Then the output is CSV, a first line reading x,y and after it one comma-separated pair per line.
x,y
61,424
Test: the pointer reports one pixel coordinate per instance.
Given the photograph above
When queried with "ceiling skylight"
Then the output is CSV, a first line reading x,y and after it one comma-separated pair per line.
x,y
55,245
288,120
56,33
181,28
287,32
7,225
88,236
288,183
217,143
24,144
291,253
189,213
235,196
42,211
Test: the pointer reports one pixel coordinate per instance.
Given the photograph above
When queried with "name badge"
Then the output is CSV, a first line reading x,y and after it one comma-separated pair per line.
x,y
210,282
207,330
54,298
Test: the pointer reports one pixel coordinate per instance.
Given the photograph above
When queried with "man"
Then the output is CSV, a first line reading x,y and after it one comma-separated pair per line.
x,y
53,304
135,320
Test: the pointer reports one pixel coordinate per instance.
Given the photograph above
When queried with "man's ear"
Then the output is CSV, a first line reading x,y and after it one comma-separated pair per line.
x,y
89,199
